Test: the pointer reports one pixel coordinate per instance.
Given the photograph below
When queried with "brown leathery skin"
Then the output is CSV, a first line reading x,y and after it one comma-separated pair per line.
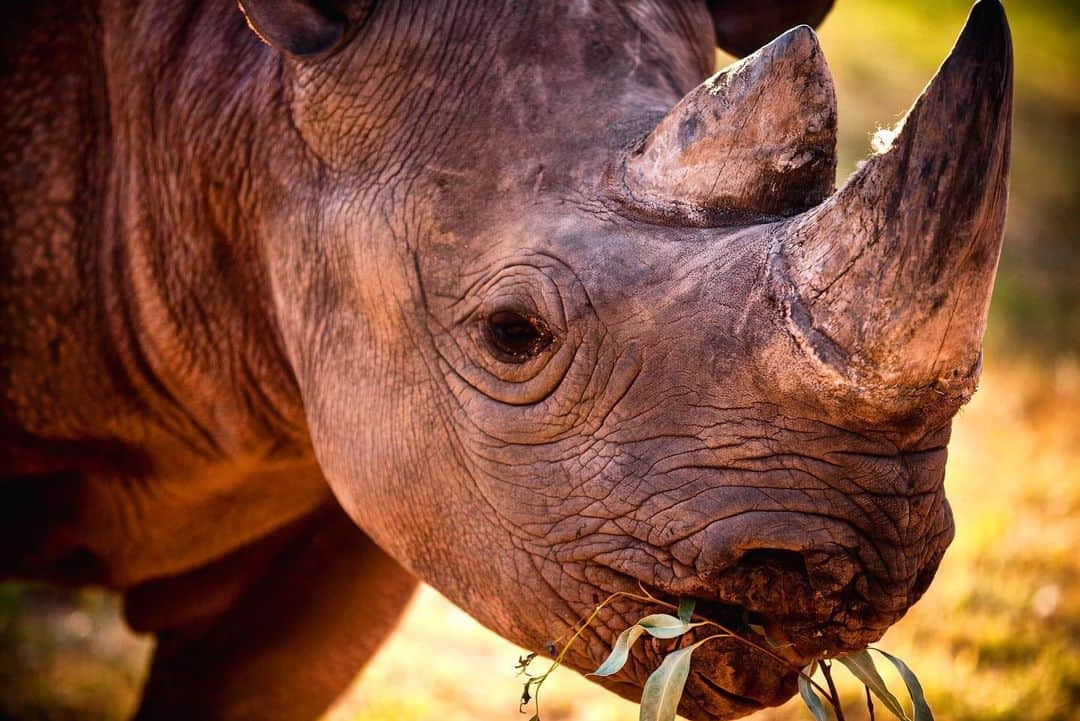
x,y
248,368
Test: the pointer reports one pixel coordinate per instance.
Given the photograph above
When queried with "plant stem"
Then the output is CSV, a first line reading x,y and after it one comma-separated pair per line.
x,y
833,695
869,703
582,625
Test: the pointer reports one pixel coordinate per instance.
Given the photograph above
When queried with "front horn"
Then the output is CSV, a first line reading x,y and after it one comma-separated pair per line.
x,y
889,281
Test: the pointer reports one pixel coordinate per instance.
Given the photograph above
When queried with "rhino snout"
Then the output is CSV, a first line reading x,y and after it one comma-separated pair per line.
x,y
821,598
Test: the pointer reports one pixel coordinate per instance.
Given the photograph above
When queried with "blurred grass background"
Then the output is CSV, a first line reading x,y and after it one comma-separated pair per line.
x,y
997,637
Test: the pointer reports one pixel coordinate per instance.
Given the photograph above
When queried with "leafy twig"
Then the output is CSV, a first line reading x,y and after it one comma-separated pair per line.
x,y
741,639
664,687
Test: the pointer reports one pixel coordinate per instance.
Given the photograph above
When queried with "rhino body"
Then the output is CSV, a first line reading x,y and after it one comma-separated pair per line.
x,y
508,297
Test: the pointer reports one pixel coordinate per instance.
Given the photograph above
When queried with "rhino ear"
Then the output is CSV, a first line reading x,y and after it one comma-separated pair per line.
x,y
303,28
743,26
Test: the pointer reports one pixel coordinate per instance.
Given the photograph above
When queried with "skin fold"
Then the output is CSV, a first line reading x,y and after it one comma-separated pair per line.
x,y
303,302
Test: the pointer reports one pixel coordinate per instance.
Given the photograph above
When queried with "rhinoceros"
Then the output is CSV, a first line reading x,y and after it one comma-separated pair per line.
x,y
306,301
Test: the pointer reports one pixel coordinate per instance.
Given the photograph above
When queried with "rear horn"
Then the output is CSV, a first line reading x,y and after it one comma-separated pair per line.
x,y
758,139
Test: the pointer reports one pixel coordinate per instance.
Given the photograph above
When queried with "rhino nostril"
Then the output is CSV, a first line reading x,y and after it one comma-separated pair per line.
x,y
788,584
777,560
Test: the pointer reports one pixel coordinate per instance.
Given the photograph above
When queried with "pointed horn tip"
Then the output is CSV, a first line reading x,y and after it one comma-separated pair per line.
x,y
800,40
795,54
989,10
986,33
979,66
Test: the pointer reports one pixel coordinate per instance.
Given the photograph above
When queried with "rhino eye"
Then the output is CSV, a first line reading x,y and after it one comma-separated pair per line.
x,y
516,338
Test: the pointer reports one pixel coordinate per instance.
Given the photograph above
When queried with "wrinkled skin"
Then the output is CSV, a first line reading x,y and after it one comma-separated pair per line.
x,y
245,291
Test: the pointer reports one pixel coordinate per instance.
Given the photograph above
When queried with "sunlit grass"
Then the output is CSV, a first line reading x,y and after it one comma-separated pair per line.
x,y
66,656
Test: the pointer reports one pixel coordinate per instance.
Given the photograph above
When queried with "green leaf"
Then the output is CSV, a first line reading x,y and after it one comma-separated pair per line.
x,y
862,667
664,687
915,690
658,625
686,609
664,625
806,691
620,652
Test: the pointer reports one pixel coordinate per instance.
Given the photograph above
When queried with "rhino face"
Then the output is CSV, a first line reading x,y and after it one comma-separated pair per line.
x,y
560,333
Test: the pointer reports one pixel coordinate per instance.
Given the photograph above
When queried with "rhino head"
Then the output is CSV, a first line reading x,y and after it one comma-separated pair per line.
x,y
568,318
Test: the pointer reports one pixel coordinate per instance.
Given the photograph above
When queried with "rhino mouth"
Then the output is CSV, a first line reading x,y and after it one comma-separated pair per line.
x,y
734,618
748,671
